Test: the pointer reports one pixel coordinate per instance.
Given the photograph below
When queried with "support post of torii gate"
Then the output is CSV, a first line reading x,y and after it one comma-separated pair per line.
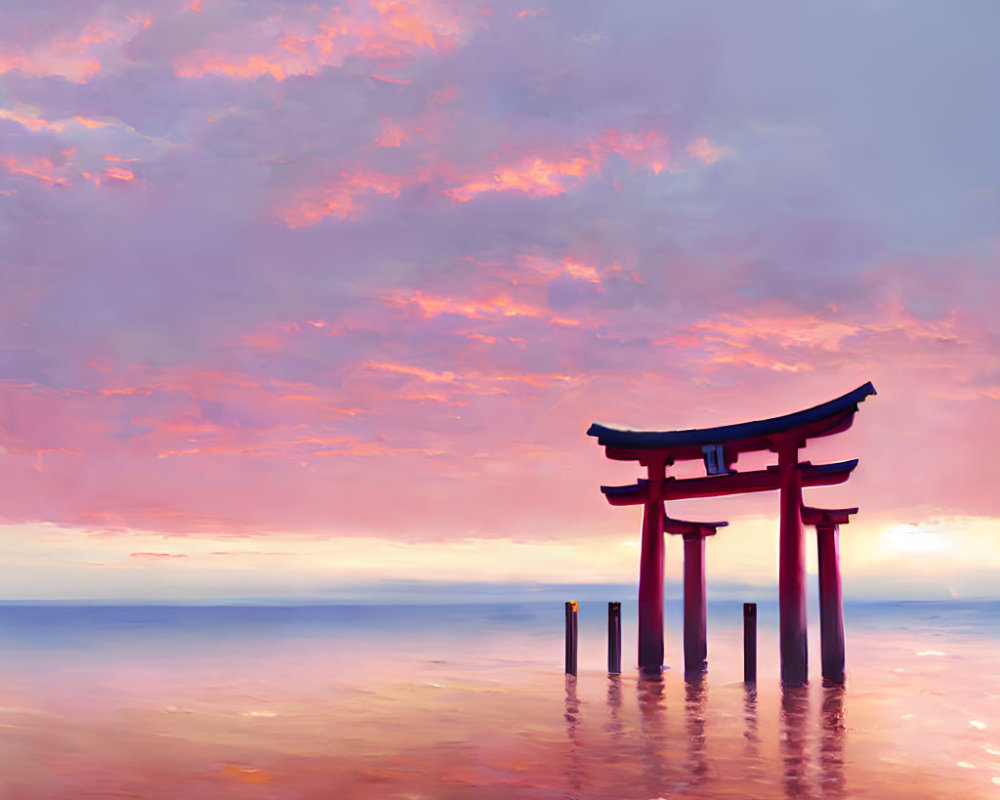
x,y
652,561
695,599
720,448
831,603
791,568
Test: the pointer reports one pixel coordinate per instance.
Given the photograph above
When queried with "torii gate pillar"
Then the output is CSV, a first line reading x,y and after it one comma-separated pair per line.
x,y
695,605
791,569
831,603
651,564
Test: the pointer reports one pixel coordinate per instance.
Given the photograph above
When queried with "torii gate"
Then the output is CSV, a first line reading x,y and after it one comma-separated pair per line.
x,y
719,448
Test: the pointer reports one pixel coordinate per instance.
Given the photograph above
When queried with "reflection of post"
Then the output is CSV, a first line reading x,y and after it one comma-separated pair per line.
x,y
615,726
650,691
831,748
695,695
753,773
831,603
750,717
794,714
572,716
791,569
651,563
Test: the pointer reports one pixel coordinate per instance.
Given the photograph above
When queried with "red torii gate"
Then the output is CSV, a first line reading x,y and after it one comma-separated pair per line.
x,y
719,448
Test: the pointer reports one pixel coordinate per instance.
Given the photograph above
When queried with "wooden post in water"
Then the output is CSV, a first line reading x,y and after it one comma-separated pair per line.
x,y
749,642
571,637
615,638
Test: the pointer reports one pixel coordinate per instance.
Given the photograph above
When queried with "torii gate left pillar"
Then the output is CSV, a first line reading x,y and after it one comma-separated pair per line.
x,y
791,566
651,566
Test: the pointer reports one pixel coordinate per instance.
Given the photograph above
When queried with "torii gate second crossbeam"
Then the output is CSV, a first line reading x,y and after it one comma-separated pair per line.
x,y
719,448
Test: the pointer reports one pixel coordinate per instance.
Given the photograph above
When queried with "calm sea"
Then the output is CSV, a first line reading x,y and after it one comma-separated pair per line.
x,y
469,701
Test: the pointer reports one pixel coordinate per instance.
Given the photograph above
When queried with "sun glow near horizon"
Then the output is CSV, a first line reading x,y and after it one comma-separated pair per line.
x,y
47,562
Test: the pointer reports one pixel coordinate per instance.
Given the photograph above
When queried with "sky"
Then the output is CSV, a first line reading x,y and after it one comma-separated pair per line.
x,y
296,297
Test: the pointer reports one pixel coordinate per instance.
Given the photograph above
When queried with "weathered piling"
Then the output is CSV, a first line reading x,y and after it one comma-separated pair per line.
x,y
571,637
615,638
749,642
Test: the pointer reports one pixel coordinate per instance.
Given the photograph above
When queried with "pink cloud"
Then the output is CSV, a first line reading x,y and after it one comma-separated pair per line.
x,y
391,134
551,175
340,199
157,555
706,152
534,174
39,168
304,43
75,55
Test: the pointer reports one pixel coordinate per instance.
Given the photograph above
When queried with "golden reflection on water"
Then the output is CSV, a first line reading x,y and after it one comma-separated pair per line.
x,y
574,767
614,725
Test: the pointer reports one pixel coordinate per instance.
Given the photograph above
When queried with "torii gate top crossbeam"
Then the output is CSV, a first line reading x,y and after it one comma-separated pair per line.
x,y
825,419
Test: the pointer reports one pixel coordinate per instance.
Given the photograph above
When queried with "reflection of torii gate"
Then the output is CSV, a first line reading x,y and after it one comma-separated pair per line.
x,y
719,448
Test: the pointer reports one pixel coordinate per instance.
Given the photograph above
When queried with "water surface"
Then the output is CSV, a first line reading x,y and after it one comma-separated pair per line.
x,y
470,702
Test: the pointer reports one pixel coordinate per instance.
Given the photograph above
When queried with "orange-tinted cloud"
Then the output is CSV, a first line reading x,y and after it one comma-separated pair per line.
x,y
74,57
120,174
403,369
391,134
306,45
535,175
477,381
796,342
39,168
28,120
570,266
157,555
92,124
390,79
339,200
495,307
548,176
647,148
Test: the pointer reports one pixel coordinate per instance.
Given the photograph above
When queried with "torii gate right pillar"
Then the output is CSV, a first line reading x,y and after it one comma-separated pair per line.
x,y
831,603
791,569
